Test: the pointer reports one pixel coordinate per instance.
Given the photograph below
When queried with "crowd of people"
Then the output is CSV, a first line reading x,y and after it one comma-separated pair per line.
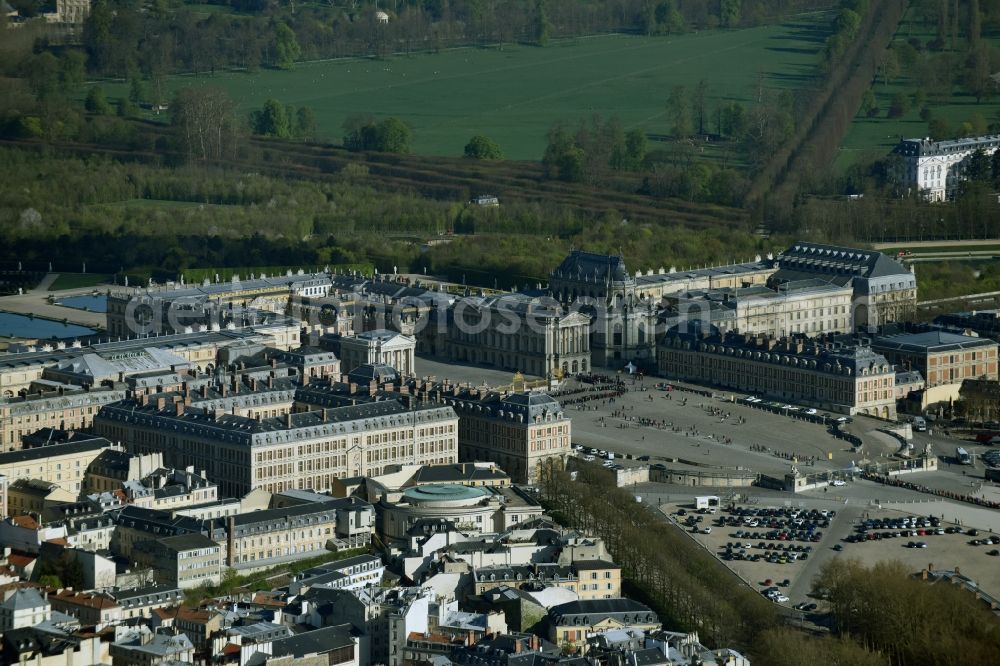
x,y
896,482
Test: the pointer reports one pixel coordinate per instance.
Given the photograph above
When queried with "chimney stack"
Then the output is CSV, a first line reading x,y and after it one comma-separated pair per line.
x,y
305,379
161,403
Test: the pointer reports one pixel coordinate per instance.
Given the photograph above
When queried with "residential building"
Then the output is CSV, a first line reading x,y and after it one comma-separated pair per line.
x,y
352,573
23,533
619,647
93,610
936,169
35,496
113,467
831,375
61,409
138,646
62,464
200,625
252,540
329,646
587,579
571,625
184,560
23,607
170,489
141,602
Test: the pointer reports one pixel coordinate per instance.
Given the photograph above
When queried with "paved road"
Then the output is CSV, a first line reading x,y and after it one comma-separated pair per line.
x,y
823,552
936,243
36,302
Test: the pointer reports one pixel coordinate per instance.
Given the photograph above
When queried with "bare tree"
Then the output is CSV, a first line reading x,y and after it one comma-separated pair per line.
x,y
205,121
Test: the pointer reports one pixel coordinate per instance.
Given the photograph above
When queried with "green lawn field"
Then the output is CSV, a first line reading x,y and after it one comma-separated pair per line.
x,y
516,94
78,280
880,135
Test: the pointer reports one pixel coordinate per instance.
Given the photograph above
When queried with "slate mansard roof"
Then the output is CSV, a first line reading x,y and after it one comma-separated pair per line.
x,y
591,267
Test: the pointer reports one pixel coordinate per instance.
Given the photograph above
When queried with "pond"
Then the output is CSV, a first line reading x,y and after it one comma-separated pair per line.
x,y
90,303
20,326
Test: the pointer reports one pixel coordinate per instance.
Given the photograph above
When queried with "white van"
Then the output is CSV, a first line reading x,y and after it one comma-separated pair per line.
x,y
919,424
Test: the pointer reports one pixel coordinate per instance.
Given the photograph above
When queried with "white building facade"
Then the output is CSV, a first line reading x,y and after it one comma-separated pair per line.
x,y
936,168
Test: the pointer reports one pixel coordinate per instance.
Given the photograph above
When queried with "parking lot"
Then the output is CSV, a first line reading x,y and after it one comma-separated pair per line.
x,y
766,546
785,555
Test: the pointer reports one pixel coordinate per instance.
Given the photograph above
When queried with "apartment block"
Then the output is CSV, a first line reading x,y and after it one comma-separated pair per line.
x,y
62,464
60,409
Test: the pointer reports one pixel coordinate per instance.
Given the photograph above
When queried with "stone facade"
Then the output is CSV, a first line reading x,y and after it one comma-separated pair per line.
x,y
623,317
941,357
517,332
828,375
936,169
380,346
302,450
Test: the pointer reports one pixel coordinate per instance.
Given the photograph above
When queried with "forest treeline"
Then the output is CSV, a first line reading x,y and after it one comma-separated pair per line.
x,y
138,217
123,37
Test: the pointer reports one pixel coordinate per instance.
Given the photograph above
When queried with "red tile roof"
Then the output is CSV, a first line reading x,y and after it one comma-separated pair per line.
x,y
25,521
21,560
